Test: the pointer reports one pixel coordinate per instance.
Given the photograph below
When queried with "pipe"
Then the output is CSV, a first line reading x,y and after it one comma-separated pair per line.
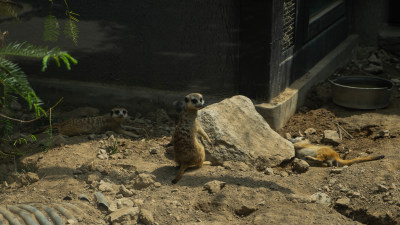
x,y
10,217
66,213
25,216
53,215
39,216
101,201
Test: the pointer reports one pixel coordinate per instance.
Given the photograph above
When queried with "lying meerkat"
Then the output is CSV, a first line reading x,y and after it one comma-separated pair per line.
x,y
188,151
95,125
323,155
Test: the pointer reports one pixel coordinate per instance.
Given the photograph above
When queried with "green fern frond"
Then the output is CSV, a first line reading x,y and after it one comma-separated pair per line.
x,y
71,29
27,50
51,29
14,79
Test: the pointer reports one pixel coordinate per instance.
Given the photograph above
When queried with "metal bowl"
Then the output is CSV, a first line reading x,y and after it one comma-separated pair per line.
x,y
361,92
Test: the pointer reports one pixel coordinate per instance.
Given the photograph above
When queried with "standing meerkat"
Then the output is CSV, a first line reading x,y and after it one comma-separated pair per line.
x,y
95,125
188,151
323,155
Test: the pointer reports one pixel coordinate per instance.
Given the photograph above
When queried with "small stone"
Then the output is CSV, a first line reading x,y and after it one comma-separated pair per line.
x,y
106,187
300,166
331,137
146,217
336,170
321,198
382,188
124,191
354,194
288,136
102,157
214,186
144,180
375,60
343,202
102,151
122,215
269,171
373,69
284,174
92,136
332,182
71,221
138,202
153,151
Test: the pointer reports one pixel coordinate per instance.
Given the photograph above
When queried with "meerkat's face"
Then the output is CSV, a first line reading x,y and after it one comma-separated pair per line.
x,y
120,113
297,139
194,101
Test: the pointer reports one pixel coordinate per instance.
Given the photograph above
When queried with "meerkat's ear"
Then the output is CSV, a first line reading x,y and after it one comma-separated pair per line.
x,y
186,99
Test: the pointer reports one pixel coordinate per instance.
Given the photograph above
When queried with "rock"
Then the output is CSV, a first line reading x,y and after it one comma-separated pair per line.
x,y
239,133
382,188
106,187
138,202
345,202
375,60
144,180
146,217
373,69
96,176
214,186
125,192
153,151
284,174
120,204
331,137
298,198
125,214
269,171
336,170
300,166
321,198
92,136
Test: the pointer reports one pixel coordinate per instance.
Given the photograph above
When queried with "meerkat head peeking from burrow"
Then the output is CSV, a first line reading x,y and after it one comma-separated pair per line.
x,y
194,101
119,113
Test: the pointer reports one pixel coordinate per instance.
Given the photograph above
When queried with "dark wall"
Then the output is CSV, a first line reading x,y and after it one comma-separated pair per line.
x,y
175,45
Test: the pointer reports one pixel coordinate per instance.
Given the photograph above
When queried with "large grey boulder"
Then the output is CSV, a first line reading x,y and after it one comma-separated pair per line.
x,y
239,133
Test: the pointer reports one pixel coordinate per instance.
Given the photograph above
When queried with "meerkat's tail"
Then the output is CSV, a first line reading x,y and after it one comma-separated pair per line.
x,y
349,162
180,173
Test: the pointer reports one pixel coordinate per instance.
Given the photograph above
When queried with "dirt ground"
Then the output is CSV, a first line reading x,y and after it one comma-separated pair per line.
x,y
134,174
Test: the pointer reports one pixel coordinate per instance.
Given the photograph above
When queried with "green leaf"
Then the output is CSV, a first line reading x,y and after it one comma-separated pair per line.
x,y
71,31
51,29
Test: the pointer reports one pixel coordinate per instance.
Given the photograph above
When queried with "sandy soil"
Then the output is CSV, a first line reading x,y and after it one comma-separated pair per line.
x,y
134,174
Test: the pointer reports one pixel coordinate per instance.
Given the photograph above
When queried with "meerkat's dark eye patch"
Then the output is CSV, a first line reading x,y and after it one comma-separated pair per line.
x,y
124,112
116,111
201,99
186,99
194,101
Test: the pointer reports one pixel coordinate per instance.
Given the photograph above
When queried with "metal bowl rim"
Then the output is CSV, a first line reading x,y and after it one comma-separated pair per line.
x,y
363,78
